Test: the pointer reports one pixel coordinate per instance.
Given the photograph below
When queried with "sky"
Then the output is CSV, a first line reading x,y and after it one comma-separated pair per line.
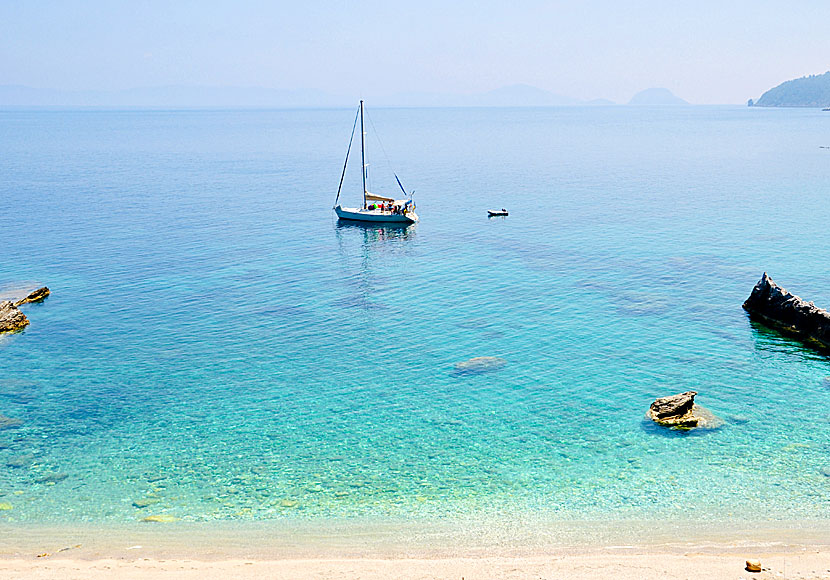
x,y
707,52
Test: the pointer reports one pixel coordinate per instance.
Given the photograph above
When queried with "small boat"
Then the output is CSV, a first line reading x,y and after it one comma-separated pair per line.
x,y
376,208
496,212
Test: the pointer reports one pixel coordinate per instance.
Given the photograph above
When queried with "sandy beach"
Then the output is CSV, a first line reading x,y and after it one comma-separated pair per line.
x,y
575,567
575,551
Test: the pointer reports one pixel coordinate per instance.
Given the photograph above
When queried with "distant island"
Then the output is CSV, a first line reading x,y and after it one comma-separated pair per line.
x,y
656,96
811,91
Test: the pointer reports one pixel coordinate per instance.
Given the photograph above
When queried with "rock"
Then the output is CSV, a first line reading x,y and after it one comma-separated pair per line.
x,y
9,423
11,319
753,565
480,364
673,406
706,419
289,503
637,304
738,419
52,478
35,296
774,306
146,502
161,518
16,461
681,412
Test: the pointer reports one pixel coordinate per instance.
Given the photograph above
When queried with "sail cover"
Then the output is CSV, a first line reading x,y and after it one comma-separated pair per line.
x,y
373,197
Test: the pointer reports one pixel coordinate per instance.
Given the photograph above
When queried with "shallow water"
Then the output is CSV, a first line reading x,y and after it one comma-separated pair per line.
x,y
218,347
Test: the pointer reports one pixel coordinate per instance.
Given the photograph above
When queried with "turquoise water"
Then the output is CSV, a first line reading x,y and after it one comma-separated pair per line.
x,y
218,347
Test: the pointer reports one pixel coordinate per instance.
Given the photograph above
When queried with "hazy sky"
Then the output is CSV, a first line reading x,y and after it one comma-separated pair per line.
x,y
705,51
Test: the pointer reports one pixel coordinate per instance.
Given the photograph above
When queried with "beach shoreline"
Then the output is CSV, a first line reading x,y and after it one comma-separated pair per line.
x,y
795,549
803,565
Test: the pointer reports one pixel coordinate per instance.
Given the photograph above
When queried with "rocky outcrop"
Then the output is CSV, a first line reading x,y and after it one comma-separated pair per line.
x,y
11,319
681,412
35,296
480,364
774,306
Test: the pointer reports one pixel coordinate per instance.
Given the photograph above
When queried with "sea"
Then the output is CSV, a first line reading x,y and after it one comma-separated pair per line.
x,y
217,347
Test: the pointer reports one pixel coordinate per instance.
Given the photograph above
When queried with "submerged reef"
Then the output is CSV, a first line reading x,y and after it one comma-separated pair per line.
x,y
784,311
479,364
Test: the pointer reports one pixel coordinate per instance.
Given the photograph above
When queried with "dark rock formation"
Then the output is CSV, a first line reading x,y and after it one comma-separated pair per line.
x,y
681,412
774,306
11,319
35,296
673,406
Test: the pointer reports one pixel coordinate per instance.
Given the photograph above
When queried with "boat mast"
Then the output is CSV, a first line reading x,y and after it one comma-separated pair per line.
x,y
362,154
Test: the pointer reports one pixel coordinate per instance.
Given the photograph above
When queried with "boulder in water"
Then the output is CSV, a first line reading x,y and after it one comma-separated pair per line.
x,y
11,319
480,364
776,307
35,296
681,412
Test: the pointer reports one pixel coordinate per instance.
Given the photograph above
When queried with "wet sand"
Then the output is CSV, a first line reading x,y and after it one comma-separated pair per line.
x,y
573,550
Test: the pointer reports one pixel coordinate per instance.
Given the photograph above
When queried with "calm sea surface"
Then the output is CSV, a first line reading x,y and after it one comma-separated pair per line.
x,y
217,346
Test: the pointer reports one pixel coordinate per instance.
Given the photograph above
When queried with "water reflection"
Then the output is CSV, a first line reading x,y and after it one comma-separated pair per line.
x,y
371,246
373,233
768,339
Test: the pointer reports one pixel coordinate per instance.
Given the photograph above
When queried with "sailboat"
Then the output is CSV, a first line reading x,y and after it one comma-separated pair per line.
x,y
376,208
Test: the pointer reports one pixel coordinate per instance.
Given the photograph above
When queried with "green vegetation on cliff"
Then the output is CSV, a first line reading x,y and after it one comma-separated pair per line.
x,y
811,91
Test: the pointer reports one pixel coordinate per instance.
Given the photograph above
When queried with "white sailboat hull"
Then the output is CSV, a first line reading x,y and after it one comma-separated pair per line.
x,y
374,215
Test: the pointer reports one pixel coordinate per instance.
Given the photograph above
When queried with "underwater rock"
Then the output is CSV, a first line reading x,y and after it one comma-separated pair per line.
x,y
16,461
738,419
5,506
11,319
774,306
52,478
480,364
9,423
681,412
160,518
35,296
636,304
825,471
146,502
